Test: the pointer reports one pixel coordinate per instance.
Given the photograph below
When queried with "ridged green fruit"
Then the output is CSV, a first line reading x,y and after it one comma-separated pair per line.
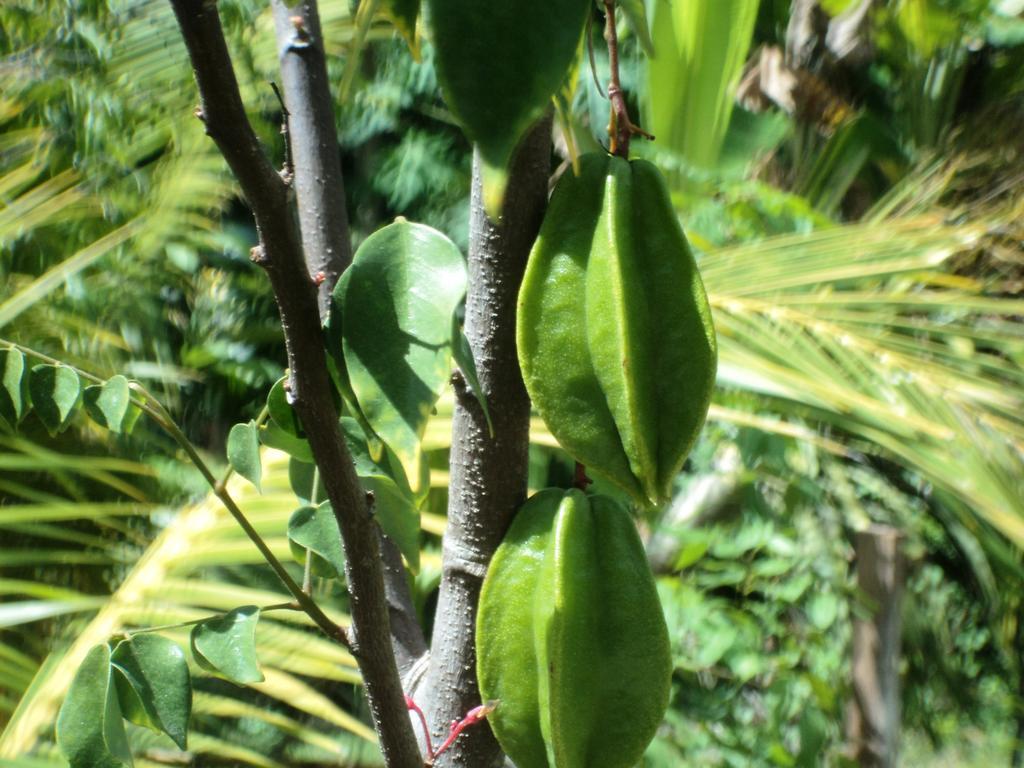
x,y
615,337
571,641
498,64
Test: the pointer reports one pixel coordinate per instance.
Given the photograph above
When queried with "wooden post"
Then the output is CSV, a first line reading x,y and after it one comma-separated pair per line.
x,y
873,718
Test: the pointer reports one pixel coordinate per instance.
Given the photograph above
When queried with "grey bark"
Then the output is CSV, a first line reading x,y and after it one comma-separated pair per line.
x,y
873,720
319,188
488,475
280,253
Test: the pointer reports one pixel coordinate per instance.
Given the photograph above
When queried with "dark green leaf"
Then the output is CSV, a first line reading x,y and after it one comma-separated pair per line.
x,y
55,391
396,302
90,731
281,411
107,404
463,355
301,475
498,65
153,684
13,386
316,529
244,452
226,645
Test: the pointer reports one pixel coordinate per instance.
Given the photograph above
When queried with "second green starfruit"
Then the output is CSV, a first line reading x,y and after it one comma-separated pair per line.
x,y
571,641
614,330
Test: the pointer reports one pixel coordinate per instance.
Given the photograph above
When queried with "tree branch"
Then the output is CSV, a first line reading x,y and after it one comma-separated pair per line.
x,y
280,253
319,189
488,475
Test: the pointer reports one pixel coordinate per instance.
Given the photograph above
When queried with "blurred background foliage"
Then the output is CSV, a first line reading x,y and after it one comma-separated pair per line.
x,y
849,173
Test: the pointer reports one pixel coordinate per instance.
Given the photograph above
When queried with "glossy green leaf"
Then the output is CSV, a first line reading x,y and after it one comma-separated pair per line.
x,y
13,386
244,452
153,683
90,731
55,391
395,305
499,64
316,529
463,356
273,436
281,411
226,645
108,404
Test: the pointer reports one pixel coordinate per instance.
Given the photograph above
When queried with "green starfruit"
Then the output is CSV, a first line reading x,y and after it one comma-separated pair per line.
x,y
571,641
614,330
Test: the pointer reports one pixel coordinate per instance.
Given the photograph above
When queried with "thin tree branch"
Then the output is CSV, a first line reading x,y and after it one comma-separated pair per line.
x,y
488,475
319,189
280,253
620,128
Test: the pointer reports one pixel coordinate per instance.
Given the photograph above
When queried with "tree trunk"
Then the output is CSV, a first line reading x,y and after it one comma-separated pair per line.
x,y
488,474
873,720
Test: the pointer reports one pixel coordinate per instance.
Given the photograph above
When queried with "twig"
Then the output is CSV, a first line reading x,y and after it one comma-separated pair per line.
x,y
620,128
288,172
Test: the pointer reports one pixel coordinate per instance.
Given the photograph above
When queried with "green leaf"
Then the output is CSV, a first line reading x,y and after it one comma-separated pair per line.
x,y
13,386
316,529
281,410
463,356
153,684
635,12
90,731
244,452
395,505
107,404
273,436
226,645
498,65
395,305
55,391
301,475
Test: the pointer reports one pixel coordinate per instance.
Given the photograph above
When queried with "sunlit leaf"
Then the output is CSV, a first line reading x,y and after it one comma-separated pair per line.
x,y
55,391
226,645
13,386
153,684
90,731
395,305
108,404
244,452
316,529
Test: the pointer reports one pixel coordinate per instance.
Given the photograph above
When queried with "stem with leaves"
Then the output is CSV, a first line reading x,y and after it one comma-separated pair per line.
x,y
280,252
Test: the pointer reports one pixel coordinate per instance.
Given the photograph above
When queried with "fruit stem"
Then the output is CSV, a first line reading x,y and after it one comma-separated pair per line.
x,y
620,128
580,479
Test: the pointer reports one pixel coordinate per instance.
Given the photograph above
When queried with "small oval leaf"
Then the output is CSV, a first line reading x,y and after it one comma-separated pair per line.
x,y
55,391
244,452
316,529
153,684
108,404
13,386
281,411
90,731
226,645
